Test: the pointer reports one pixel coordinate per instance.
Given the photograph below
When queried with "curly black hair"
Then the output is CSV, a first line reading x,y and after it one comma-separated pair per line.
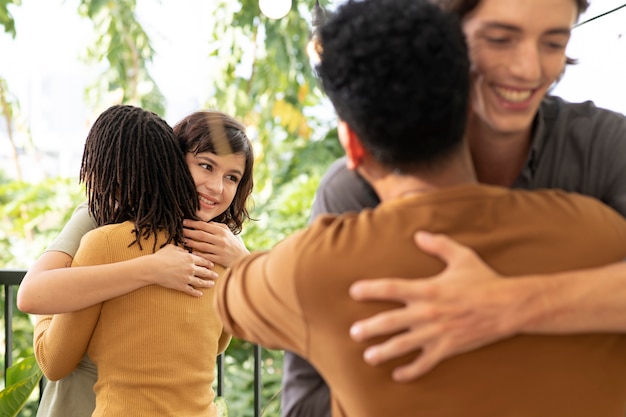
x,y
397,72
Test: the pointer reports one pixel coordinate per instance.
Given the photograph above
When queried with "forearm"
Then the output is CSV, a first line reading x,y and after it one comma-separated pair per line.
x,y
591,300
60,341
50,288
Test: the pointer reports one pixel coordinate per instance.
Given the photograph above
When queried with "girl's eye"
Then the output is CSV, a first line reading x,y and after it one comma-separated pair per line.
x,y
233,178
208,167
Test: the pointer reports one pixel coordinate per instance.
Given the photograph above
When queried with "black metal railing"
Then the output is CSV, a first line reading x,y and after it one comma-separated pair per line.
x,y
10,279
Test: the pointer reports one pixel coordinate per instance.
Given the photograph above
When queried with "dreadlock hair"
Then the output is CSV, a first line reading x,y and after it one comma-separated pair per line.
x,y
134,170
218,133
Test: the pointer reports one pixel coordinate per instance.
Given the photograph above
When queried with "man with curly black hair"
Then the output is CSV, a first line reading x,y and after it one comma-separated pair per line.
x,y
396,72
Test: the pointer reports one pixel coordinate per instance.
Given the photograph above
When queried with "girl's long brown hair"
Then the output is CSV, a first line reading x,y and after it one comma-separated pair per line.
x,y
218,133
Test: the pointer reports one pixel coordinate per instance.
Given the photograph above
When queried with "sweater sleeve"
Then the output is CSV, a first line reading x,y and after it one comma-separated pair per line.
x,y
304,391
223,341
257,299
62,340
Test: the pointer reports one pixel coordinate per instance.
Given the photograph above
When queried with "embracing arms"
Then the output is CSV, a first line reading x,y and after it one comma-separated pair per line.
x,y
49,287
468,305
61,340
305,393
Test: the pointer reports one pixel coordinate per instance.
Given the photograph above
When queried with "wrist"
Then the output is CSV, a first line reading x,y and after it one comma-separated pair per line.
x,y
144,268
538,303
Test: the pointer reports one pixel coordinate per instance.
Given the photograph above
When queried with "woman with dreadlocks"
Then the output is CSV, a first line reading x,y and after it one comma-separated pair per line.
x,y
48,289
139,193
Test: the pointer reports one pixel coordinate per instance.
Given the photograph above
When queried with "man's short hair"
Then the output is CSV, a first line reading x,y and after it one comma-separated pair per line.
x,y
397,72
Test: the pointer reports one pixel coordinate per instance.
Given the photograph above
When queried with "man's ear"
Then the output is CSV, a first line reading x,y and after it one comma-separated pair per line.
x,y
351,145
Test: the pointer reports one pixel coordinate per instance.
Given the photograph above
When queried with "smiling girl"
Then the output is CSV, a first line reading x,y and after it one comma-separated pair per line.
x,y
219,158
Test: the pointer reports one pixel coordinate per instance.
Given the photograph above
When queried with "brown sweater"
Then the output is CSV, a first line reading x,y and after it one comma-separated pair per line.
x,y
295,297
155,348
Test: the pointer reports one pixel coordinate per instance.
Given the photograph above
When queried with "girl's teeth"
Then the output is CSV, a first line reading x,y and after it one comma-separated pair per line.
x,y
204,200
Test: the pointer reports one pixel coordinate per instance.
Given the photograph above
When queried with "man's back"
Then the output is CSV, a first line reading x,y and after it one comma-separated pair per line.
x,y
299,301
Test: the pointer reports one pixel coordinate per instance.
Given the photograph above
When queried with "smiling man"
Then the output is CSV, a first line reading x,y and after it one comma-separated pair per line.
x,y
397,73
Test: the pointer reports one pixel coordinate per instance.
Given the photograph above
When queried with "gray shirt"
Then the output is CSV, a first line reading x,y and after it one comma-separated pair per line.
x,y
576,147
77,226
73,395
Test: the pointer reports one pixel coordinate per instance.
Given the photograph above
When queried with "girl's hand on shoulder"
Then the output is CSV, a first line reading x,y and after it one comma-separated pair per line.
x,y
214,242
175,268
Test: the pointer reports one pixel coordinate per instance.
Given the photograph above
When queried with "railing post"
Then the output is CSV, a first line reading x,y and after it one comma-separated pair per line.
x,y
220,375
9,278
257,380
8,328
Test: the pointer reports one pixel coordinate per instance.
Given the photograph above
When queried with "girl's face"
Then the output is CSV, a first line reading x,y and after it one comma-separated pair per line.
x,y
517,50
216,178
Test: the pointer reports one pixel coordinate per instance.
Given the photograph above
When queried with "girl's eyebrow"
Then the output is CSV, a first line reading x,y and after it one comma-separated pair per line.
x,y
214,162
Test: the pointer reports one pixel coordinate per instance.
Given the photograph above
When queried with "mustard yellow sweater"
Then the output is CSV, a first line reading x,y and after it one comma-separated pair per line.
x,y
155,348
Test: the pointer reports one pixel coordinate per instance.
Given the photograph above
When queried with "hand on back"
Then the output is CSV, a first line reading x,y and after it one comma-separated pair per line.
x,y
466,306
180,270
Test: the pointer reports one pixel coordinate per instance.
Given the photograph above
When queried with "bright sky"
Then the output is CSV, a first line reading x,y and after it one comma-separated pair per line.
x,y
42,68
600,47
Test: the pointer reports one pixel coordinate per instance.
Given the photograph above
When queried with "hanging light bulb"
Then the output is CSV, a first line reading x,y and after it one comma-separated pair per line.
x,y
275,9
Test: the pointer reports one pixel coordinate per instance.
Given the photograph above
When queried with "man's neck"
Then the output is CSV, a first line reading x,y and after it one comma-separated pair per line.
x,y
498,158
392,184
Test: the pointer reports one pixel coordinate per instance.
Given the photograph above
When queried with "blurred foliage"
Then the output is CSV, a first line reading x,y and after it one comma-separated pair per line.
x,y
239,365
31,215
264,78
120,41
261,75
22,379
9,108
6,20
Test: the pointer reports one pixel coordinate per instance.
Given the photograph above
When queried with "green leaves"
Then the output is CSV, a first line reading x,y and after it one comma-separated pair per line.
x,y
6,20
31,215
263,77
239,380
22,378
121,40
222,407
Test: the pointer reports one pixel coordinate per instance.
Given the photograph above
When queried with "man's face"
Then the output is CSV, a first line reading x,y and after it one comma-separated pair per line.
x,y
517,50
